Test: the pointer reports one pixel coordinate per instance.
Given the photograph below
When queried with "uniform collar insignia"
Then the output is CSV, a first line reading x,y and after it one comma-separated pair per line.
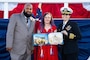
x,y
68,27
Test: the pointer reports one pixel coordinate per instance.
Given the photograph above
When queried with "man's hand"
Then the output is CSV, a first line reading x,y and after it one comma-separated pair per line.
x,y
32,19
8,49
64,32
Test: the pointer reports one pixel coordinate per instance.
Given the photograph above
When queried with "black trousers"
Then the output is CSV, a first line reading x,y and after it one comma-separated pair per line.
x,y
72,56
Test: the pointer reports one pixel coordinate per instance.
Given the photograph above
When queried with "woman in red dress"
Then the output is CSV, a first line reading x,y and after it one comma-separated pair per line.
x,y
46,52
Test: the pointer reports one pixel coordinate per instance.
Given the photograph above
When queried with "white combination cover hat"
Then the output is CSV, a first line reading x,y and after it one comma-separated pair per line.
x,y
66,10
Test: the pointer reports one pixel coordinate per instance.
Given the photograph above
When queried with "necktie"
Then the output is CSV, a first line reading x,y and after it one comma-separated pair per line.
x,y
28,22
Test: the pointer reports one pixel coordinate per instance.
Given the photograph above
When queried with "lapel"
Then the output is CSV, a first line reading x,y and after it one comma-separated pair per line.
x,y
66,25
31,25
23,20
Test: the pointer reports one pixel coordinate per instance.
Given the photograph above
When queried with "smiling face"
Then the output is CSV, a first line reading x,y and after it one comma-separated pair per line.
x,y
47,18
28,8
65,17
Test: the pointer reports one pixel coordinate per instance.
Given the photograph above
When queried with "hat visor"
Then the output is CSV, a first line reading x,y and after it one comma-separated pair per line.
x,y
66,13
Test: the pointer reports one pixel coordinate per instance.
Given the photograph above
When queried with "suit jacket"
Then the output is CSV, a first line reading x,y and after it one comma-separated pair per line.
x,y
19,36
70,45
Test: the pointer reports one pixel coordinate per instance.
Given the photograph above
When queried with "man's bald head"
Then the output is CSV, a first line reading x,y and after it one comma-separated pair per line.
x,y
28,4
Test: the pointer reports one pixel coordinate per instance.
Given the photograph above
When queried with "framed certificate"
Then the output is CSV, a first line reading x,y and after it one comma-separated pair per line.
x,y
55,38
40,39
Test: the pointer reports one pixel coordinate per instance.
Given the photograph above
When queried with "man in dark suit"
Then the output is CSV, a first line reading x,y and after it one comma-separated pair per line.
x,y
71,33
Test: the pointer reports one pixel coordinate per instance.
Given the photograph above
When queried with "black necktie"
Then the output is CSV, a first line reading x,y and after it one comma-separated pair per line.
x,y
27,20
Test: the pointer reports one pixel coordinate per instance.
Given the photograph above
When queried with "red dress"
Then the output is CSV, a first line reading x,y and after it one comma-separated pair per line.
x,y
46,49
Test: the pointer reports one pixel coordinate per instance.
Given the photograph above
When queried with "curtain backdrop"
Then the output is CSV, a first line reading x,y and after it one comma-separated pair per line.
x,y
79,10
84,43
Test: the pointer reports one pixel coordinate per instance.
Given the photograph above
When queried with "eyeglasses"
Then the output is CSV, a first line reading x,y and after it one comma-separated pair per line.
x,y
66,14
